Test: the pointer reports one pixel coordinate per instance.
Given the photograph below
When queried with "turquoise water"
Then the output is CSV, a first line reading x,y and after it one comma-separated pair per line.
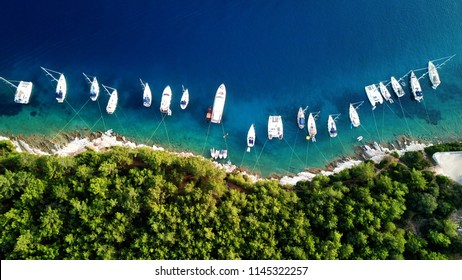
x,y
273,58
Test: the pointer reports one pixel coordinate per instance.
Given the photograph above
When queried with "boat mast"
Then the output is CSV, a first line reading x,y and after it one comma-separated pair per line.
x,y
142,83
357,104
447,58
335,116
315,115
49,74
88,79
8,82
106,87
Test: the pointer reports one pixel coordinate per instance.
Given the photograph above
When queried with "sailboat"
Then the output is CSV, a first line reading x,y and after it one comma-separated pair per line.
x,y
397,87
184,98
385,93
23,91
61,87
415,87
354,117
219,104
147,95
312,131
94,87
113,99
331,125
166,100
301,118
373,95
433,75
275,128
250,138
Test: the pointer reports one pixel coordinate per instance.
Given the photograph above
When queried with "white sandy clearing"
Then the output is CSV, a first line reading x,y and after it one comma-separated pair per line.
x,y
449,164
308,176
377,153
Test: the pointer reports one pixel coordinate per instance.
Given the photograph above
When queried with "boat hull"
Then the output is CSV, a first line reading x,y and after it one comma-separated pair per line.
x,y
415,88
214,153
397,87
354,117
301,118
275,127
373,95
312,131
61,89
251,137
166,100
433,75
385,93
112,103
94,89
331,127
219,104
184,99
147,96
23,92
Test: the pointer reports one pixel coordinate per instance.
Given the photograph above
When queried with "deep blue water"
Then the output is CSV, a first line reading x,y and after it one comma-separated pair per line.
x,y
273,56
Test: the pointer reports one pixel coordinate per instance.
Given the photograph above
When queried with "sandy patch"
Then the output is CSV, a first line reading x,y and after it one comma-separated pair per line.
x,y
449,164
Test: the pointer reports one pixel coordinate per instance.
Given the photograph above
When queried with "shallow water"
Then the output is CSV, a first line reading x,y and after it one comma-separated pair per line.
x,y
273,57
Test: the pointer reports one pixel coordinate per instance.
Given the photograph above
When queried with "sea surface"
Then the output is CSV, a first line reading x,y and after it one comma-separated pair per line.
x,y
273,57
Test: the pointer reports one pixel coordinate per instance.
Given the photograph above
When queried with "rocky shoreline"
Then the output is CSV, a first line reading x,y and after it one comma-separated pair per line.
x,y
75,142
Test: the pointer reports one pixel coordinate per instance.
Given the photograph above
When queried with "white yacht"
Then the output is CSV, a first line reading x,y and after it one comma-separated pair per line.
x,y
397,87
354,117
385,93
250,138
166,100
301,118
23,91
184,99
219,104
275,128
433,75
113,99
312,131
332,126
147,95
374,95
415,87
94,87
61,87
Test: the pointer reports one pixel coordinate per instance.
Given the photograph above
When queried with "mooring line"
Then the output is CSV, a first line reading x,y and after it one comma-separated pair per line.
x,y
293,151
292,154
206,138
258,159
73,117
155,130
102,117
77,112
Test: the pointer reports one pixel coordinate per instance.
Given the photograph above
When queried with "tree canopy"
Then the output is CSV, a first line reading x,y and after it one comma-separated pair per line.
x,y
145,204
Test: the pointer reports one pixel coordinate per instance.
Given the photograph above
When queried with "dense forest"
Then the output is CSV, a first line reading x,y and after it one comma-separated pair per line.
x,y
145,204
